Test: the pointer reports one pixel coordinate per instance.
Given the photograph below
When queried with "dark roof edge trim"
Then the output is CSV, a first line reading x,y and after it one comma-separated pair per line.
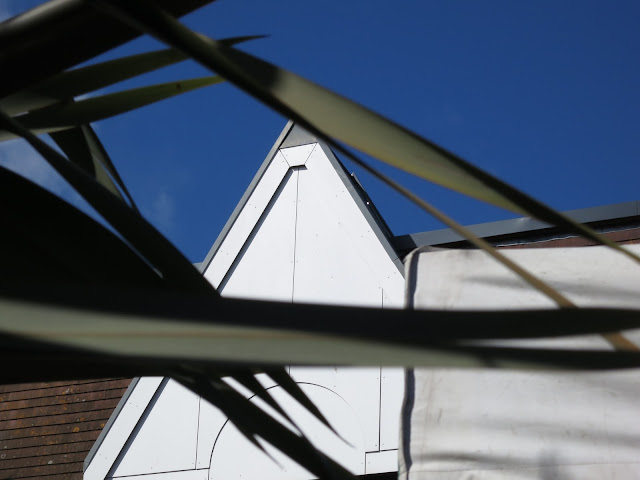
x,y
517,225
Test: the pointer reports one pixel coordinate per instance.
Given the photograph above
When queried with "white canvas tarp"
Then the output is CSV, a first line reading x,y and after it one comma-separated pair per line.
x,y
498,424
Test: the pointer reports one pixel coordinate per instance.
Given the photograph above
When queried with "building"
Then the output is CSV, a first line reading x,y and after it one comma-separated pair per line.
x,y
304,231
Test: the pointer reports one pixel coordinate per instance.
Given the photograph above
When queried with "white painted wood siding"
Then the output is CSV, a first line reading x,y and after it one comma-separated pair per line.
x,y
300,235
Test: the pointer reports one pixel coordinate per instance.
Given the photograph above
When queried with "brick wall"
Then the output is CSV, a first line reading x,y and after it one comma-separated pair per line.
x,y
47,429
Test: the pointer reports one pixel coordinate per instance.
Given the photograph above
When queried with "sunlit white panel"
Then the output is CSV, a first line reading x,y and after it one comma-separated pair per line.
x,y
339,259
227,463
264,267
297,156
358,387
211,422
246,221
393,297
166,439
381,462
183,475
391,395
124,423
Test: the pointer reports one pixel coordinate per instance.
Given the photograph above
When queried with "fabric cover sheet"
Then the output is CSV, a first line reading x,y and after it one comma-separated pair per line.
x,y
495,424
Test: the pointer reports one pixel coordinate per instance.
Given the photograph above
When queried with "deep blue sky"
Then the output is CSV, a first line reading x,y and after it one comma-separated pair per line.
x,y
543,94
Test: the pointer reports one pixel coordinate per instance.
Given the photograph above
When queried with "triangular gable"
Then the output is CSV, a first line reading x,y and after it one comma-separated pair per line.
x,y
304,231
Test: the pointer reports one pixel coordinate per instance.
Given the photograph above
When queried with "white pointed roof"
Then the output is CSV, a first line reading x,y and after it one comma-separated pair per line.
x,y
304,231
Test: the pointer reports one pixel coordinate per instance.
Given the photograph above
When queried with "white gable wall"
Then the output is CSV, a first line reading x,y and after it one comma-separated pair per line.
x,y
175,410
271,245
300,234
339,259
313,244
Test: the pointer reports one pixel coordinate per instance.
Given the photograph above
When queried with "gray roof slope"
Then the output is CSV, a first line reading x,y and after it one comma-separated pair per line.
x,y
526,229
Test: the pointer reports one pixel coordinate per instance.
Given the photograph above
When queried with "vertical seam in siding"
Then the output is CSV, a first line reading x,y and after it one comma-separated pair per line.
x,y
295,234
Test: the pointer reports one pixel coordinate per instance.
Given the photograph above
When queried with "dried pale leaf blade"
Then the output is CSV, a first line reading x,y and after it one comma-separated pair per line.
x,y
331,114
359,127
618,340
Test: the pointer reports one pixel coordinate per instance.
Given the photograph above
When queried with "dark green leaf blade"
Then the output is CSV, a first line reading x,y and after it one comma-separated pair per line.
x,y
282,378
72,83
327,114
82,146
213,389
188,327
249,381
143,237
250,418
105,106
56,243
54,37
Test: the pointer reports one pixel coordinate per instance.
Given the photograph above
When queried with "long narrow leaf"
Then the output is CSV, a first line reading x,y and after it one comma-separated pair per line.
x,y
58,35
327,114
174,267
72,83
249,381
353,322
250,418
616,339
54,242
33,361
105,106
133,322
213,389
83,147
283,379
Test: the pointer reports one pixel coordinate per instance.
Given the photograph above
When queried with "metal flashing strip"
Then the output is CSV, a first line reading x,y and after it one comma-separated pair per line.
x,y
297,137
517,225
247,194
366,206
107,427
